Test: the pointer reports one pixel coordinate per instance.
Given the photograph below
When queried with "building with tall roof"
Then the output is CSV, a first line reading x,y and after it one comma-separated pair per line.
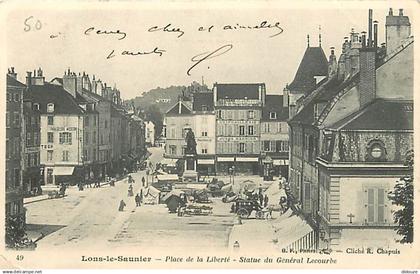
x,y
351,135
274,135
62,129
313,68
238,110
14,135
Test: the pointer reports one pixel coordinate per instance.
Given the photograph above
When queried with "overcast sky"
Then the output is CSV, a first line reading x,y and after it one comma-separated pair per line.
x,y
253,57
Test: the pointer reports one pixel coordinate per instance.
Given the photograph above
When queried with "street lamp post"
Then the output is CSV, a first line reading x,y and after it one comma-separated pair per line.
x,y
232,175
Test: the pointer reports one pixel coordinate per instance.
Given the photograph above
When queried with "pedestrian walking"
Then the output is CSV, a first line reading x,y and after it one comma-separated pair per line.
x,y
137,199
122,205
130,191
80,185
142,181
265,200
261,198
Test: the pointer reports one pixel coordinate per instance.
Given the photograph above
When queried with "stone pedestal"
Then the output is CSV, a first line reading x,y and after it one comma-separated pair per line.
x,y
190,174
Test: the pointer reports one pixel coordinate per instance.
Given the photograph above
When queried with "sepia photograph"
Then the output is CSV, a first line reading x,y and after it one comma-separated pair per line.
x,y
208,135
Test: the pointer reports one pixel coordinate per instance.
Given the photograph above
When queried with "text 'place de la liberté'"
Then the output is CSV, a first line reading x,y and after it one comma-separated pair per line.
x,y
320,166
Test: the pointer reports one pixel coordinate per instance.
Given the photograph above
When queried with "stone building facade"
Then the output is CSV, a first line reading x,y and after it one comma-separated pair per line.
x,y
361,123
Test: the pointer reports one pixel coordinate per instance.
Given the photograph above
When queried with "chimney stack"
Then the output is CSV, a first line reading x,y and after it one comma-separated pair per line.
x,y
375,34
28,78
363,39
11,72
397,30
69,83
369,44
367,70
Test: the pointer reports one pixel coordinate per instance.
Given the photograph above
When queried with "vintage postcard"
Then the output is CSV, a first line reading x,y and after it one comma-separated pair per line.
x,y
180,134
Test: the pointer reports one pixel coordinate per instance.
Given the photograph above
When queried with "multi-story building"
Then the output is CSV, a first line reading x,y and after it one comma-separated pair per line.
x,y
356,128
238,112
204,128
275,133
62,129
14,123
118,137
311,73
178,120
31,132
150,133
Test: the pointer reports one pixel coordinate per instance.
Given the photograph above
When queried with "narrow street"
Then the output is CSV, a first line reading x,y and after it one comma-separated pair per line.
x,y
90,218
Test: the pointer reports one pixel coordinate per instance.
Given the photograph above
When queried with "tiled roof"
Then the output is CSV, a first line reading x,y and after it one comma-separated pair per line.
x,y
274,103
203,99
10,81
176,111
326,92
238,91
314,63
305,115
380,115
64,103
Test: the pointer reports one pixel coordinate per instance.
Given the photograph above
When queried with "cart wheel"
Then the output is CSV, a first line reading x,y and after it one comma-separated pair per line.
x,y
243,213
259,215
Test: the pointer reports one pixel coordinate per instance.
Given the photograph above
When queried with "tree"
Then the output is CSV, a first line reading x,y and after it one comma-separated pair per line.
x,y
402,196
153,114
16,237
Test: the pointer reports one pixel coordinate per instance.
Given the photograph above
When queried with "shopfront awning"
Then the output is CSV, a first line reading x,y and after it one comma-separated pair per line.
x,y
279,162
205,161
169,162
63,170
167,177
246,159
225,159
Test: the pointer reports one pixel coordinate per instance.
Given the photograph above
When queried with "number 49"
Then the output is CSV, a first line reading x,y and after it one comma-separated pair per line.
x,y
19,257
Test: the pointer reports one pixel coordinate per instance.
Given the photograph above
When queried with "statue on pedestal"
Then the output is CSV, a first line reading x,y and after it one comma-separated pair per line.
x,y
190,173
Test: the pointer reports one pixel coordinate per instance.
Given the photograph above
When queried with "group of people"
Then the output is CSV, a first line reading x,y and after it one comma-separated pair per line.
x,y
88,184
259,197
139,196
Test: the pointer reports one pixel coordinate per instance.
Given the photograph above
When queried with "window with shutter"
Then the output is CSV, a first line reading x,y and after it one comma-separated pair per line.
x,y
371,205
376,205
381,205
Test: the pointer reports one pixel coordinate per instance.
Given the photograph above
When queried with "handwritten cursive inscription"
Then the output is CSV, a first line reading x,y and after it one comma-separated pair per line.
x,y
199,58
167,28
156,51
118,32
262,25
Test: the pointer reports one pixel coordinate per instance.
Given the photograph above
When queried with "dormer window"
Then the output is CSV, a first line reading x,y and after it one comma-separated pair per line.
x,y
204,108
50,107
36,106
273,115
